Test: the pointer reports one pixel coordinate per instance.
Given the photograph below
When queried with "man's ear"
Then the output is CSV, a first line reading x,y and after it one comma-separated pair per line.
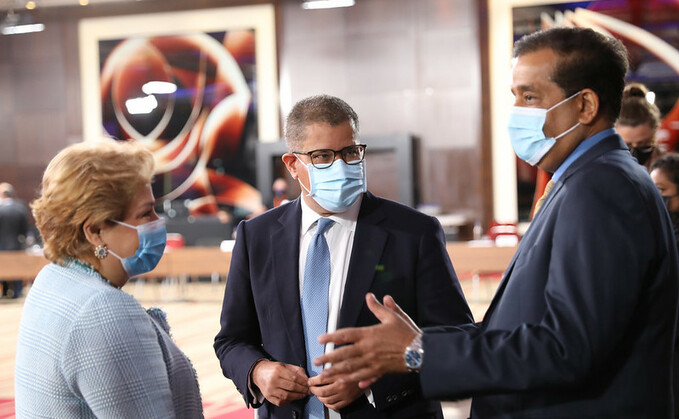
x,y
589,106
291,164
92,231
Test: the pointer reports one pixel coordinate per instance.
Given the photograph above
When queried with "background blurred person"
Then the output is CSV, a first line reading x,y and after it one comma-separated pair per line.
x,y
87,349
13,229
665,175
280,192
637,124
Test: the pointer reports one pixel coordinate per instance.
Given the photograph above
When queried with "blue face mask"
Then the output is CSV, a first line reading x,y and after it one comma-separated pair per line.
x,y
152,238
337,187
525,131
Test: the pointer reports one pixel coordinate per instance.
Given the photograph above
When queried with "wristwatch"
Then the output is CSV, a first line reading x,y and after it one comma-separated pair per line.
x,y
414,354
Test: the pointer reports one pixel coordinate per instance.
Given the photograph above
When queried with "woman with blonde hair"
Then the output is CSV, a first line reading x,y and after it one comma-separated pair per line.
x,y
87,349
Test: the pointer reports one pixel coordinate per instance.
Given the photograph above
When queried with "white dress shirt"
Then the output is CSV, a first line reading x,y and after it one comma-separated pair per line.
x,y
340,239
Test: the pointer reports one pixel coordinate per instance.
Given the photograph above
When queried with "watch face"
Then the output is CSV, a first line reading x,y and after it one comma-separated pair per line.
x,y
413,359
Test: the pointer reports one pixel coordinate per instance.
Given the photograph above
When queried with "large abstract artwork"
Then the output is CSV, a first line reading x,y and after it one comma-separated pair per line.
x,y
648,28
197,88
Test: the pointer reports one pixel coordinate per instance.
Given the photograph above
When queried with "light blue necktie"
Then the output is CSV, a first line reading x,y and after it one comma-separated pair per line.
x,y
315,307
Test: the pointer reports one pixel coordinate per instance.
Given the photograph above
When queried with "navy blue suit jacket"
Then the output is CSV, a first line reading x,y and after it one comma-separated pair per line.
x,y
397,251
583,322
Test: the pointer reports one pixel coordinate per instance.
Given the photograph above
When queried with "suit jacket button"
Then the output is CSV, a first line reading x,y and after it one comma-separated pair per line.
x,y
295,415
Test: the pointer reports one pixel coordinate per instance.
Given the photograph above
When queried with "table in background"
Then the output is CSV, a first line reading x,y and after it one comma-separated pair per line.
x,y
209,261
189,261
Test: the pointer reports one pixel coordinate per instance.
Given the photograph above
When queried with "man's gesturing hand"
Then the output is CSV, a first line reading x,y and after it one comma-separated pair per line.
x,y
280,383
374,350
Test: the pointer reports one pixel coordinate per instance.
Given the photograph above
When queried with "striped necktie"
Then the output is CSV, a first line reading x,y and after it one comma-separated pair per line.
x,y
315,307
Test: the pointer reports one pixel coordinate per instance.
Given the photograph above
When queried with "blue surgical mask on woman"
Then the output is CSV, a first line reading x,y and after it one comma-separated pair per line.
x,y
525,131
152,239
338,186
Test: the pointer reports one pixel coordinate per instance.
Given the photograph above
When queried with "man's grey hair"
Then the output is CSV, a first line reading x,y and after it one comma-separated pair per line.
x,y
317,109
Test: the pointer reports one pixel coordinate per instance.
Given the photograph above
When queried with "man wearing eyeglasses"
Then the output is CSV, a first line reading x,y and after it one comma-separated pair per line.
x,y
374,245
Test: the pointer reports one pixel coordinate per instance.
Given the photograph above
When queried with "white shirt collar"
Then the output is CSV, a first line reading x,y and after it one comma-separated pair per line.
x,y
347,218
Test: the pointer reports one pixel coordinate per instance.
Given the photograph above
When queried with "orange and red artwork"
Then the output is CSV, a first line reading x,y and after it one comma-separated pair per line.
x,y
190,98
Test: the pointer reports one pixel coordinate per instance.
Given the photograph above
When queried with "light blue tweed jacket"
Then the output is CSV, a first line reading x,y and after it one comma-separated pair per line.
x,y
87,349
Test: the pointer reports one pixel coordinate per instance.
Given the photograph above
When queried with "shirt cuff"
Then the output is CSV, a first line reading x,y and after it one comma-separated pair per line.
x,y
255,393
370,397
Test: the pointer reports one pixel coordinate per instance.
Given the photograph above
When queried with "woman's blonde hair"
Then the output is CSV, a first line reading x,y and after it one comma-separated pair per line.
x,y
93,180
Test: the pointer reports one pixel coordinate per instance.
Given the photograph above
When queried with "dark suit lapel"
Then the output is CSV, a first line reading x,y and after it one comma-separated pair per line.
x,y
285,252
607,144
369,241
526,241
501,287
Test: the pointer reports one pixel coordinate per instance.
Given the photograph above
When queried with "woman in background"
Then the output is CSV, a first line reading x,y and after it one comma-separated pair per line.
x,y
665,175
87,349
637,124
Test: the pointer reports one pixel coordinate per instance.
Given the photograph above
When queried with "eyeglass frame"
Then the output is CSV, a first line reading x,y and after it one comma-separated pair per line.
x,y
334,155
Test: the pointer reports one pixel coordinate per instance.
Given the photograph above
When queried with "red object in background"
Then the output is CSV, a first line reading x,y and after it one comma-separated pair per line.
x,y
503,234
667,136
175,241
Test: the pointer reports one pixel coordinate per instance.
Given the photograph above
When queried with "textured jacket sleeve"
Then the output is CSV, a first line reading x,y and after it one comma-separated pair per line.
x,y
112,359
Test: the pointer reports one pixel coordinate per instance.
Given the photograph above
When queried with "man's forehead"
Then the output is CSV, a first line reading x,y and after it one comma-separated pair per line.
x,y
532,75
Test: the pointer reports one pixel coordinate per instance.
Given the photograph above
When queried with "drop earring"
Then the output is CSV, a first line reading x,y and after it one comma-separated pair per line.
x,y
101,251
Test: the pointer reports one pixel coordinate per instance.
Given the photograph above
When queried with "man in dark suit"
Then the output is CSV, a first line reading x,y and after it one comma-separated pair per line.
x,y
13,230
583,322
374,245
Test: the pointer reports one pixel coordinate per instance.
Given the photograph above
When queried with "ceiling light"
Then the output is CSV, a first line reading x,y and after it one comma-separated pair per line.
x,y
326,4
19,23
158,87
141,105
30,5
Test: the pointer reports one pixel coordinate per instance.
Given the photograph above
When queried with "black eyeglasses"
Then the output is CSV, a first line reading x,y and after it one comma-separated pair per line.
x,y
324,158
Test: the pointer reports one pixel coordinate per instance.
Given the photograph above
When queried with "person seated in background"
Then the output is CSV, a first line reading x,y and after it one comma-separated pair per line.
x,y
637,124
86,348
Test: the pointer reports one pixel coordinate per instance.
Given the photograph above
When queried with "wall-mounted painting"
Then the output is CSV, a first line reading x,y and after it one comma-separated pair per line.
x,y
198,88
648,28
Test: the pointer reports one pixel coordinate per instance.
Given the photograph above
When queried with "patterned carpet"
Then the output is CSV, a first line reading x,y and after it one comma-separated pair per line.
x,y
193,311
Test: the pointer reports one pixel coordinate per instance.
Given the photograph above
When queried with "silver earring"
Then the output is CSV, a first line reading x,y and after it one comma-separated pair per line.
x,y
101,251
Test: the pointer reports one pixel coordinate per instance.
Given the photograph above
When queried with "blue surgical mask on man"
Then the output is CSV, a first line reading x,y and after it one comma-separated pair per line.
x,y
337,187
525,132
152,239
